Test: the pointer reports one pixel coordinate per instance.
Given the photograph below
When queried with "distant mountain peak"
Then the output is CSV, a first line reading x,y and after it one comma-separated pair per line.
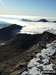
x,y
43,20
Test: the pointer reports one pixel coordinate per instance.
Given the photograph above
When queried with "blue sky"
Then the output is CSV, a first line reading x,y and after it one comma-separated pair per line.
x,y
28,7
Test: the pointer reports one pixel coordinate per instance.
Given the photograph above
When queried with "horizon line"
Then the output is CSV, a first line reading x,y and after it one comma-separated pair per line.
x,y
33,16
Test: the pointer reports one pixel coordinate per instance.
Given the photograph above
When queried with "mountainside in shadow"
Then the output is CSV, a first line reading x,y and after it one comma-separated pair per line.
x,y
3,24
9,32
17,52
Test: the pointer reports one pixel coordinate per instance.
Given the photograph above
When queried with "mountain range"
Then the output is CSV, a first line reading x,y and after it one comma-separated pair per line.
x,y
41,20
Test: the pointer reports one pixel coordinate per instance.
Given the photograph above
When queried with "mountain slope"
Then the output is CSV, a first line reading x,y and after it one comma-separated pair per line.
x,y
16,53
8,32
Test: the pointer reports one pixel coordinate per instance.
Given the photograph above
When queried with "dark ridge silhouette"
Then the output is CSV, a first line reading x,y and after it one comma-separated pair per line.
x,y
26,20
43,20
25,41
16,53
8,32
54,21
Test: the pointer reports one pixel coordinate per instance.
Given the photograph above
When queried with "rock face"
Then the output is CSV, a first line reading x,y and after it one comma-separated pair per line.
x,y
9,32
17,52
